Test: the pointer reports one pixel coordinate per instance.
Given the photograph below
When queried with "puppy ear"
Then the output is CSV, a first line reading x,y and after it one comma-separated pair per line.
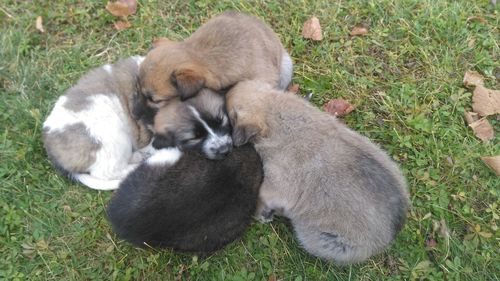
x,y
163,141
244,134
188,80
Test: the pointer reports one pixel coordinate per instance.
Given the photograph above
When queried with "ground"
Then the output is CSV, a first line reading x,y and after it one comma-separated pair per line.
x,y
404,77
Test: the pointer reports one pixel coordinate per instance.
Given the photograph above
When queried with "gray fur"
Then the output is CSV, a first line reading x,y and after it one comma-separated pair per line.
x,y
344,196
73,138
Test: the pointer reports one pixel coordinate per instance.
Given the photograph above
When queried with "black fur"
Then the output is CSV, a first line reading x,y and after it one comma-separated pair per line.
x,y
197,205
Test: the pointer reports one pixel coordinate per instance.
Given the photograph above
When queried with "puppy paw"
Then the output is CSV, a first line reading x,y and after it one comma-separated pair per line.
x,y
266,216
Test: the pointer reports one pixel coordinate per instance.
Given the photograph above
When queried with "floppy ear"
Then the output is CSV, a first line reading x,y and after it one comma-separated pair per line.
x,y
188,80
244,133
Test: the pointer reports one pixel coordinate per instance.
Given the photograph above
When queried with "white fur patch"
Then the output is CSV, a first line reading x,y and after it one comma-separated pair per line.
x,y
286,70
138,59
164,156
108,68
107,122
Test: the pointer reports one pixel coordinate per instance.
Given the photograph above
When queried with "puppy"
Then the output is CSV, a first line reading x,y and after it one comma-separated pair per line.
x,y
187,203
228,48
345,198
200,123
91,134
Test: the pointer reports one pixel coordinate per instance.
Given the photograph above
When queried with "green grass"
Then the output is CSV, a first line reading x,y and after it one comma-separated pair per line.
x,y
404,77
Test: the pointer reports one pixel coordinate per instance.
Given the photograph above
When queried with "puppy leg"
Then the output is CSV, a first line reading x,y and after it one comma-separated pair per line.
x,y
286,70
270,202
142,154
264,214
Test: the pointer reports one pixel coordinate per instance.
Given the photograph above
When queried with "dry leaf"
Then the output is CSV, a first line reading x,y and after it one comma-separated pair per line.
x,y
472,79
157,41
476,18
443,229
312,29
122,8
293,88
359,30
471,117
471,43
338,107
271,277
493,162
430,243
39,24
485,101
483,129
121,25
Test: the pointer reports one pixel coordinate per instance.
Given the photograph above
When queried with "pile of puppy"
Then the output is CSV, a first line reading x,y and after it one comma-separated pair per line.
x,y
161,130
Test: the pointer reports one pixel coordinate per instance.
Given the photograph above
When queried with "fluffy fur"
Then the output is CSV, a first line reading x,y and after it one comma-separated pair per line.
x,y
227,49
90,134
189,204
199,123
345,198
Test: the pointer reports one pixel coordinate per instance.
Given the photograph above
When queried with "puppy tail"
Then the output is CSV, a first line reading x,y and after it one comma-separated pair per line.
x,y
332,246
97,183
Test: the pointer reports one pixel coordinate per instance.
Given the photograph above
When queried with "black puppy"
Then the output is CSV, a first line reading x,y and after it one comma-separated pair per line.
x,y
188,203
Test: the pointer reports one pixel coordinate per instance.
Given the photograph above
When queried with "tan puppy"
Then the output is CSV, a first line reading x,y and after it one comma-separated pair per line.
x,y
345,197
227,49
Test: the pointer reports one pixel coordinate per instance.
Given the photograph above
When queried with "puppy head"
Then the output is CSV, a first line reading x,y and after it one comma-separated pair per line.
x,y
245,105
200,123
170,71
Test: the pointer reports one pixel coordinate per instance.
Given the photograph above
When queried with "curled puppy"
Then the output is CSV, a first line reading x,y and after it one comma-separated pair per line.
x,y
345,198
91,134
227,49
200,123
187,203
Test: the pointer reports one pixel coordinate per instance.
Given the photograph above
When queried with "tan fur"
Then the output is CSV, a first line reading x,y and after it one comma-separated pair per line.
x,y
344,196
227,49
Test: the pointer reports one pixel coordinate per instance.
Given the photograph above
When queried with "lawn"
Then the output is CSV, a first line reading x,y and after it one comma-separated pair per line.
x,y
404,77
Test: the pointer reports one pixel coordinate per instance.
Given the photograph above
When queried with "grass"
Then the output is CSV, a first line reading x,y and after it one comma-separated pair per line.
x,y
404,77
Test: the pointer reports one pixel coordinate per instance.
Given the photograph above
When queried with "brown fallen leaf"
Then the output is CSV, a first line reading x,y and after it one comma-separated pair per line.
x,y
471,43
122,8
483,129
338,107
472,79
271,277
39,24
359,30
293,88
471,117
476,18
121,25
430,243
493,162
312,29
485,101
443,229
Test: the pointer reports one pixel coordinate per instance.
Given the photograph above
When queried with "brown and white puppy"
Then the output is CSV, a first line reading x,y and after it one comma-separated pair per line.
x,y
200,123
345,197
227,49
91,134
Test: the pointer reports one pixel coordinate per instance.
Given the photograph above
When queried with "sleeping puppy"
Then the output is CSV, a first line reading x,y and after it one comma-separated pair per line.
x,y
200,123
228,48
91,134
187,203
345,198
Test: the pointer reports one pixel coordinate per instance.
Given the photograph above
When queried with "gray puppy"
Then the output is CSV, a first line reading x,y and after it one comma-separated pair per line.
x,y
345,197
